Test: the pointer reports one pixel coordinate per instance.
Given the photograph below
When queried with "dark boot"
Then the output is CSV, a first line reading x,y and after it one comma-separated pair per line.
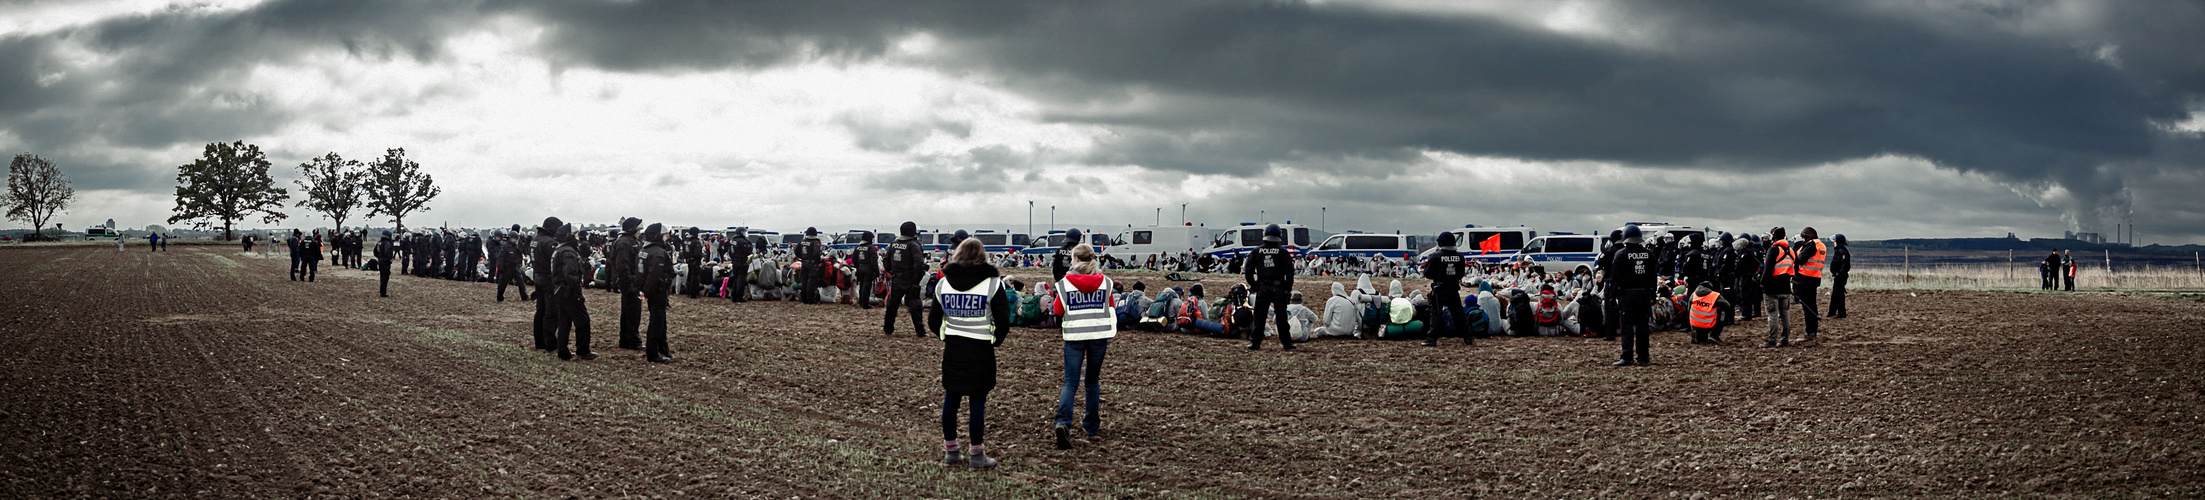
x,y
979,459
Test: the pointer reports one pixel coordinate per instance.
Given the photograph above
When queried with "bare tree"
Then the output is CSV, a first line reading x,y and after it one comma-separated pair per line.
x,y
332,186
396,187
36,191
229,182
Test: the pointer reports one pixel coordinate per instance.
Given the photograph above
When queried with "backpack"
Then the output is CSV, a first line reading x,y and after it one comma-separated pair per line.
x,y
1029,310
1548,312
1474,317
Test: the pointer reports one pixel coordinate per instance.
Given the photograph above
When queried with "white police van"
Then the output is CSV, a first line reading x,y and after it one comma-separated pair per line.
x,y
1359,244
1135,245
1564,251
1652,231
1001,242
850,240
1249,236
1507,239
1049,244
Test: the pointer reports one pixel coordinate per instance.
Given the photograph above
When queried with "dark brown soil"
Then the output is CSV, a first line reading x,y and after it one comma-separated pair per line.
x,y
203,372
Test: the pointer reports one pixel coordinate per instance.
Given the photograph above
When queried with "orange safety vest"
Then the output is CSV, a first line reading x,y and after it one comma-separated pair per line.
x,y
1703,310
1813,267
1783,265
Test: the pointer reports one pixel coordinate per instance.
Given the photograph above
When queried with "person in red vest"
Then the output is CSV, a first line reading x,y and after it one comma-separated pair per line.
x,y
1813,258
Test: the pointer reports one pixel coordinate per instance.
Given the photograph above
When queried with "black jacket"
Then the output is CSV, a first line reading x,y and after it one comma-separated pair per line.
x,y
657,277
622,259
569,272
1270,268
1779,284
968,365
1445,270
906,265
1632,267
383,251
542,255
1060,263
1841,262
866,258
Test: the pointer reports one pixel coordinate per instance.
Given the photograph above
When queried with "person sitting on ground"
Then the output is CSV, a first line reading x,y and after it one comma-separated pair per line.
x,y
1189,310
1401,322
1705,304
1342,318
1587,315
1547,312
1522,319
1495,313
1299,318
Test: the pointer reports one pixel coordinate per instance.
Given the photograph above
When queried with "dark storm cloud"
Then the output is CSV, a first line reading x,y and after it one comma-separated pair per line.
x,y
168,78
1236,86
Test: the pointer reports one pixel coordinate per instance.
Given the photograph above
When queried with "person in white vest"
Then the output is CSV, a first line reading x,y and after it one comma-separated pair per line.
x,y
973,316
1088,309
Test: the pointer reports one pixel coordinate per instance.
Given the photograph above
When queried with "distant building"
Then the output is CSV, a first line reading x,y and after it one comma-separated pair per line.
x,y
2086,237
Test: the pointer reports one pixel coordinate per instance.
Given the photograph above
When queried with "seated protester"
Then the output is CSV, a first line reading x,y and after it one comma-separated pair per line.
x,y
1046,295
1373,306
1704,305
1547,312
1159,315
1233,311
1031,310
1401,322
1495,313
1342,318
1131,305
1299,318
1015,291
1588,316
1665,310
1188,313
1682,301
1474,320
1522,319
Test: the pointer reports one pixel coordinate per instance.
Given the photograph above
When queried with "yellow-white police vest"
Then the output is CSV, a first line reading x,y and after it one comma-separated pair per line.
x,y
965,312
1087,316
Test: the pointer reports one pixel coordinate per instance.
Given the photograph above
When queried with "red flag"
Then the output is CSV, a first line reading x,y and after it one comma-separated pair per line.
x,y
1492,244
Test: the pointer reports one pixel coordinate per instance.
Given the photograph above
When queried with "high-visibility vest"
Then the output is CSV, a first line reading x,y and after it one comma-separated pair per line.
x,y
965,313
1812,268
1087,315
1703,310
1783,265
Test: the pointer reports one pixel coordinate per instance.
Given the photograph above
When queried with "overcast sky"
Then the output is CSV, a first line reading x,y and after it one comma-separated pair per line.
x,y
1878,119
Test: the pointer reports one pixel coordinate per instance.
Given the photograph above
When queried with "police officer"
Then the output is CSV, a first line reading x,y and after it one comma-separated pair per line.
x,y
656,282
510,255
866,258
404,255
1446,271
1631,274
812,254
1841,264
541,264
622,261
570,273
906,268
383,253
1061,261
1611,302
296,254
692,255
739,249
311,250
1270,271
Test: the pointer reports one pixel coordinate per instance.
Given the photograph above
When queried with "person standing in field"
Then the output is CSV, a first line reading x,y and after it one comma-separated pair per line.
x,y
622,264
292,245
382,264
2070,271
906,268
1269,270
1812,257
2049,271
569,272
973,316
1776,288
1089,309
1631,276
1841,265
657,285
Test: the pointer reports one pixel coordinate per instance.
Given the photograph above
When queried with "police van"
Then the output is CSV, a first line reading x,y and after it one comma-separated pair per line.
x,y
1249,236
1651,231
1469,237
1055,240
1002,242
1359,244
850,240
1564,251
1135,245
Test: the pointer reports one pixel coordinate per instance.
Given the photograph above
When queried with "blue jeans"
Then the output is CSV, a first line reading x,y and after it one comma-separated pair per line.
x,y
1079,354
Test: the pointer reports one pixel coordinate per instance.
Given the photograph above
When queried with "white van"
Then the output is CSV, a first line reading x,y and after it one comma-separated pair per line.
x,y
1652,231
1249,235
1358,244
1136,244
1467,238
1560,252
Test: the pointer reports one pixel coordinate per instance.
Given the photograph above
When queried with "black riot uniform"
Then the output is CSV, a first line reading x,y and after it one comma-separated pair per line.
x,y
569,273
1270,269
813,255
656,281
906,268
510,256
621,259
383,251
866,258
738,254
1841,265
1631,274
297,253
544,245
404,249
1611,301
312,258
692,255
1446,271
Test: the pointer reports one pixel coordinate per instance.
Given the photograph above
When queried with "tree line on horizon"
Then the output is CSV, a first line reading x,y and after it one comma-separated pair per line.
x,y
230,183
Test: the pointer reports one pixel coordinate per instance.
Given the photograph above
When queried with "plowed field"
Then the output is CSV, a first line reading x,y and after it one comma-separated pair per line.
x,y
204,372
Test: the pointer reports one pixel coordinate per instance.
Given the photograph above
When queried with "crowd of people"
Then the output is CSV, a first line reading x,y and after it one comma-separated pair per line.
x,y
1641,283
